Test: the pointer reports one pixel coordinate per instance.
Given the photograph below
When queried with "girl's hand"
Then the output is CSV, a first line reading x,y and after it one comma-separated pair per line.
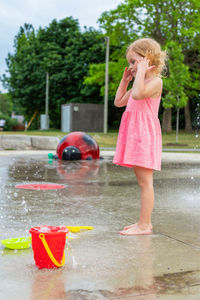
x,y
127,75
143,64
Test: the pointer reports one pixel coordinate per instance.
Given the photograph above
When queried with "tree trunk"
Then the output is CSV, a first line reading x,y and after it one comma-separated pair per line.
x,y
188,123
167,120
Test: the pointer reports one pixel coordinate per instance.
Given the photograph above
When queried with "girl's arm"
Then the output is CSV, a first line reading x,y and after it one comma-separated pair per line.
x,y
142,90
122,95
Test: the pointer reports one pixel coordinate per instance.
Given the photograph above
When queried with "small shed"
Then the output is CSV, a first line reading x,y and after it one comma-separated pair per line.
x,y
82,117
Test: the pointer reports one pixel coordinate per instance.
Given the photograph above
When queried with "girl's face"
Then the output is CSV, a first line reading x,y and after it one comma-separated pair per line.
x,y
133,58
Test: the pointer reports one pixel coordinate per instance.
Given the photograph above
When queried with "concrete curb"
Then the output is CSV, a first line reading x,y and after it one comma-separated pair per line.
x,y
44,142
15,142
26,142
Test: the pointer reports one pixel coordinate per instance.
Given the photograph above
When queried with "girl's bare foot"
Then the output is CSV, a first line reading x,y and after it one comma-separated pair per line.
x,y
136,230
134,225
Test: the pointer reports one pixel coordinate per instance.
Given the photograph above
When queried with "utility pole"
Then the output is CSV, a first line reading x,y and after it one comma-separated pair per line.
x,y
47,101
177,118
106,87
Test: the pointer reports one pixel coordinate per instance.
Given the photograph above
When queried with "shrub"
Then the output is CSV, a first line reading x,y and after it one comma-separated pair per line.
x,y
9,122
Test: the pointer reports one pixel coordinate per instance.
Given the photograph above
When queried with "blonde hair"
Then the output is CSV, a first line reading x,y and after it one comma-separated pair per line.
x,y
151,49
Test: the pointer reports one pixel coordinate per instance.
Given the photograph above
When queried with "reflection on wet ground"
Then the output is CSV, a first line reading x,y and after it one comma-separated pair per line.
x,y
101,264
182,283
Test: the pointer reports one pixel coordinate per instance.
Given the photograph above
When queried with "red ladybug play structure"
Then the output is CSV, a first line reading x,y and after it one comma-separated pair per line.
x,y
76,146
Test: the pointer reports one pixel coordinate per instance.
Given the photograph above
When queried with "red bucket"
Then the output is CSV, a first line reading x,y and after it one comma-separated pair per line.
x,y
48,243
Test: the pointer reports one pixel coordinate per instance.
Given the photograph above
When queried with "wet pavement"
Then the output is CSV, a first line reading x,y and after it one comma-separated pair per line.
x,y
101,264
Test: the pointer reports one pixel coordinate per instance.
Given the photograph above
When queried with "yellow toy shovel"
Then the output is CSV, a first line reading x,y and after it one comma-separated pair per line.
x,y
79,228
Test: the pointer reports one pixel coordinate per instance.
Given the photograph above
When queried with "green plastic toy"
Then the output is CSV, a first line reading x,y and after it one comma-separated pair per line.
x,y
17,243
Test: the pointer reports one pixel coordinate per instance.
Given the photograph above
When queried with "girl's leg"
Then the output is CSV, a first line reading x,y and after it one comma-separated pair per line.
x,y
145,182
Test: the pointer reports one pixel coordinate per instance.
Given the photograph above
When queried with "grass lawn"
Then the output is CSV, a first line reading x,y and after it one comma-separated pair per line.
x,y
185,141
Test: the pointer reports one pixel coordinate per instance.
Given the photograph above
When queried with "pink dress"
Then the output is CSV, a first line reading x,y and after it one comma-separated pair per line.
x,y
140,140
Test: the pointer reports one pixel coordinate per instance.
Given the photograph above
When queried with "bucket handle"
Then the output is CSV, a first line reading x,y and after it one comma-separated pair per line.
x,y
56,263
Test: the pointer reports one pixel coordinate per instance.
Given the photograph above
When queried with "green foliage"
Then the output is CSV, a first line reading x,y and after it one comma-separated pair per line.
x,y
10,123
97,76
174,94
6,105
62,50
163,20
167,22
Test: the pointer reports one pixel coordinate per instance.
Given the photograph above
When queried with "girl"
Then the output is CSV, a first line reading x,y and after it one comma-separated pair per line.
x,y
139,144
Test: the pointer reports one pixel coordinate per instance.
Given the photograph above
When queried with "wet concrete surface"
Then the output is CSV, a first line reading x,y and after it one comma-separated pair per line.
x,y
101,264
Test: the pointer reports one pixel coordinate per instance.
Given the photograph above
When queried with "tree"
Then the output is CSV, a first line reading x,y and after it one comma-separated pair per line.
x,y
62,50
165,21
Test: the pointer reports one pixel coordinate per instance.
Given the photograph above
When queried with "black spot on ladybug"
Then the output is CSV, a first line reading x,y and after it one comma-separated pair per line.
x,y
88,140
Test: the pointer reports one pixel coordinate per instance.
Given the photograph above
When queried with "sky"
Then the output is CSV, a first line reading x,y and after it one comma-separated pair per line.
x,y
14,14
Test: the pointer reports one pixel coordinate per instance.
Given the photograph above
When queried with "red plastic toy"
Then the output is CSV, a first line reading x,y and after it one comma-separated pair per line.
x,y
48,243
77,146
